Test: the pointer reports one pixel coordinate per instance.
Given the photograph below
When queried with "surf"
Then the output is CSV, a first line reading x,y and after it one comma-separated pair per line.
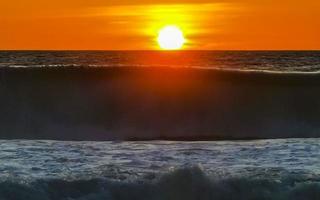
x,y
185,183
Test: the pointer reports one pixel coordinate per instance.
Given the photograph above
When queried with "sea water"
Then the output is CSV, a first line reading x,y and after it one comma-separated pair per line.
x,y
270,61
54,98
258,169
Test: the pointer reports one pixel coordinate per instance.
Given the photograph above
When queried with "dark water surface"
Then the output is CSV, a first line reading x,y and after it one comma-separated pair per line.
x,y
194,95
275,61
75,96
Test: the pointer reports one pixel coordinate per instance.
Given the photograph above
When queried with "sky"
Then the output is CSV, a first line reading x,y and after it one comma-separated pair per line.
x,y
134,25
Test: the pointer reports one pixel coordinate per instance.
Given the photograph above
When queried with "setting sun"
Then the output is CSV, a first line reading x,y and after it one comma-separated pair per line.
x,y
171,38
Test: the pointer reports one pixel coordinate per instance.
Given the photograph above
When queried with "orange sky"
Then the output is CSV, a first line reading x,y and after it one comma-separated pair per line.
x,y
128,24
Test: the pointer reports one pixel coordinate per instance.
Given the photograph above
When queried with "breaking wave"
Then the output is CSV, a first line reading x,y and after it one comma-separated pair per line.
x,y
186,184
128,103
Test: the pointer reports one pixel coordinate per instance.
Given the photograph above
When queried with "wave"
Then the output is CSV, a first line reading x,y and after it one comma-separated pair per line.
x,y
130,103
187,184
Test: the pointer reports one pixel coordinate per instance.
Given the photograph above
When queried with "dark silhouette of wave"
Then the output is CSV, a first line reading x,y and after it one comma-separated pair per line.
x,y
128,103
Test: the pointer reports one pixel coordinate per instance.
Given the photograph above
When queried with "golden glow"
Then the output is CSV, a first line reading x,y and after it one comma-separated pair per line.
x,y
142,23
135,25
171,38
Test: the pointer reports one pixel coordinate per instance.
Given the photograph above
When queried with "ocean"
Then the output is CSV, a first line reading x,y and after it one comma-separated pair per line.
x,y
147,125
268,61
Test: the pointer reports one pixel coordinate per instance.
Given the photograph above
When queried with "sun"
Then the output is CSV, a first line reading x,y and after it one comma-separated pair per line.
x,y
171,38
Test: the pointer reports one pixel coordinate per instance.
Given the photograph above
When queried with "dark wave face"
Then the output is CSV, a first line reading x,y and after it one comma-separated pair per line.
x,y
129,103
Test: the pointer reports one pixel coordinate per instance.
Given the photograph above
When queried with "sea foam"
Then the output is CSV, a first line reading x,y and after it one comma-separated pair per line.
x,y
186,184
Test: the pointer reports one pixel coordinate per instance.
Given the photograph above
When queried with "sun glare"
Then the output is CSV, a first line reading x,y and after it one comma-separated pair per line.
x,y
171,38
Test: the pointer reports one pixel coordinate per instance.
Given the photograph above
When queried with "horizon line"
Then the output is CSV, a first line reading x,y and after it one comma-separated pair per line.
x,y
155,50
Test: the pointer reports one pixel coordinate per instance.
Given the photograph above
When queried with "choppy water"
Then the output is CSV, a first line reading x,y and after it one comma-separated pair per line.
x,y
104,96
274,61
261,169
